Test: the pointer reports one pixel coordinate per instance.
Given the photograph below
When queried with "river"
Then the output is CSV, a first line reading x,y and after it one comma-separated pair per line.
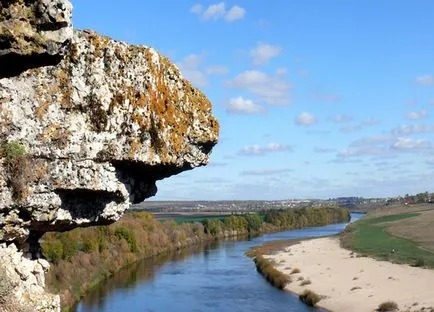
x,y
213,277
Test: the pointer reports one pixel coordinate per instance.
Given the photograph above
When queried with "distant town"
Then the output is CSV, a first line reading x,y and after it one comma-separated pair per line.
x,y
355,204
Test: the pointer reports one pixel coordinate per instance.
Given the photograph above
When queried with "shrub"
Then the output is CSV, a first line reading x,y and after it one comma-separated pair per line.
x,y
69,247
295,271
305,282
275,277
12,150
388,306
420,262
310,298
52,249
254,222
18,168
123,233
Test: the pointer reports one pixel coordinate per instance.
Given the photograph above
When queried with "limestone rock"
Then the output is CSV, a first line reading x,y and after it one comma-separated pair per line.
x,y
22,282
95,133
33,33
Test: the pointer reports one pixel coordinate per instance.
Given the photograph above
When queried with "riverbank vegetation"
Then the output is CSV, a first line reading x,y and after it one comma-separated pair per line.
x,y
403,237
95,253
310,298
272,275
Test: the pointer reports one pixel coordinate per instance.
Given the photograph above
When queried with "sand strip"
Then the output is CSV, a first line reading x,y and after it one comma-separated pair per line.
x,y
352,283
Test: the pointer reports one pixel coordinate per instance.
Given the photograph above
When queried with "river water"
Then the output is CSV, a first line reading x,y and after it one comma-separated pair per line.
x,y
213,277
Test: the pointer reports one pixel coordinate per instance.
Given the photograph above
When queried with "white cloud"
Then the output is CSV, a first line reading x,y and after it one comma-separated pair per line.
x,y
256,150
235,13
412,144
215,11
425,80
271,89
412,129
365,151
323,149
217,70
385,146
370,122
281,71
341,118
305,119
264,52
240,105
350,129
417,115
374,140
189,68
265,172
218,11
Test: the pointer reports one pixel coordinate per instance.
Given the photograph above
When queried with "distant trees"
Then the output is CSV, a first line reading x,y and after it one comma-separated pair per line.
x,y
419,198
304,217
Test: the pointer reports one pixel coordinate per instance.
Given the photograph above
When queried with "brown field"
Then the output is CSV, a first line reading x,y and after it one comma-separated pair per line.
x,y
419,229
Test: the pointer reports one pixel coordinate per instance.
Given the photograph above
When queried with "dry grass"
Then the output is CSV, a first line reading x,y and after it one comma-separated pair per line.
x,y
397,233
418,229
271,247
310,298
388,306
275,277
295,271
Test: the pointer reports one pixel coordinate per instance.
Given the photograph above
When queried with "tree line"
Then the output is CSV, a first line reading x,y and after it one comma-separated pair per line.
x,y
95,253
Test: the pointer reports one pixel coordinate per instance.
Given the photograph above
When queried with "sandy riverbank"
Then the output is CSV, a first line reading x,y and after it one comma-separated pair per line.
x,y
350,283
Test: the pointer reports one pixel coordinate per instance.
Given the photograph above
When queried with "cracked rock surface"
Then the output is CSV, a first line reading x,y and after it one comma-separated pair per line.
x,y
33,33
97,131
87,126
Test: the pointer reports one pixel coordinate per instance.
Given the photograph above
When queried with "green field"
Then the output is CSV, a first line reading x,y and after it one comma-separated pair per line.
x,y
370,237
200,219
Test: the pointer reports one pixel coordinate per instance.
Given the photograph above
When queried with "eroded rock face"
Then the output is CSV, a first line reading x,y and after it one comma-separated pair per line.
x,y
33,33
87,126
22,282
97,131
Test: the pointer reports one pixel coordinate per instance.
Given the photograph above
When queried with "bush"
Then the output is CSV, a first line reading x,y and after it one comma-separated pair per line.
x,y
123,233
388,306
295,271
12,150
310,298
18,168
52,249
305,282
420,262
275,277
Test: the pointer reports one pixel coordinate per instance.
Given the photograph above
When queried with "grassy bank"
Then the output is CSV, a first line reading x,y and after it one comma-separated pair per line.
x,y
374,236
82,258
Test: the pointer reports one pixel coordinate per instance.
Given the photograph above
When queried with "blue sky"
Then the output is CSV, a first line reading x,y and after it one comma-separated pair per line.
x,y
315,99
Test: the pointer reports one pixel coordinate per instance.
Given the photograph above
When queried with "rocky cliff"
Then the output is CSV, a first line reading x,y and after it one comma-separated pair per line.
x,y
87,125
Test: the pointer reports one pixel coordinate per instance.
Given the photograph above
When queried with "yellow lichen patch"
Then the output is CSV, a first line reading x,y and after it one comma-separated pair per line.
x,y
140,120
40,170
41,110
5,99
56,134
100,43
134,148
74,54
